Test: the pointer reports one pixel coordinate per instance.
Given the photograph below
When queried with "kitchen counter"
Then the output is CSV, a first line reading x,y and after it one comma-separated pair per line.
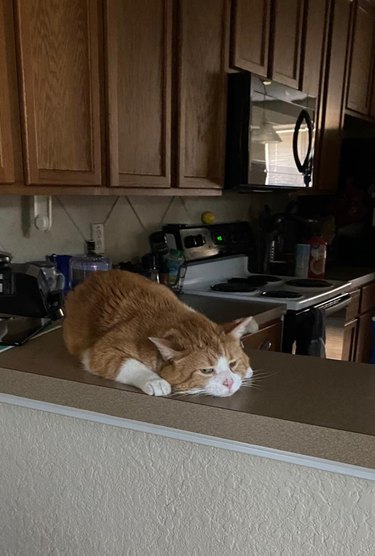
x,y
358,276
300,405
225,310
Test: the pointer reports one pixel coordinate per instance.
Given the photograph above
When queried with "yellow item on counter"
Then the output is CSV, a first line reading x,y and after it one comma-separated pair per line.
x,y
208,217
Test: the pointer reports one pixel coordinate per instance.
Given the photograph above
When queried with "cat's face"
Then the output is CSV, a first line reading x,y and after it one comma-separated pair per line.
x,y
216,370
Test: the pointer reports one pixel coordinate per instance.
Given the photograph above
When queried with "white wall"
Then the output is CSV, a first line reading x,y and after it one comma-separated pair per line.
x,y
72,487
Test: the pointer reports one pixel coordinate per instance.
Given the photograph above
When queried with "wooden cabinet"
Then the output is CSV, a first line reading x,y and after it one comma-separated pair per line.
x,y
139,57
201,92
268,338
350,340
367,311
314,34
331,105
281,40
364,339
358,336
10,138
146,47
59,47
362,57
287,41
250,35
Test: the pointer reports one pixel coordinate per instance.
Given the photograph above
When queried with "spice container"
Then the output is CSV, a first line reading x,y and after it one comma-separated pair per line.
x,y
82,266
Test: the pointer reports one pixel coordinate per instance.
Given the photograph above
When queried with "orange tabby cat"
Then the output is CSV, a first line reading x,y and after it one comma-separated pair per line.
x,y
126,328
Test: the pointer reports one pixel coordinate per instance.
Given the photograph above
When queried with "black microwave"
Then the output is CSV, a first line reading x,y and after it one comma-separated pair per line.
x,y
270,135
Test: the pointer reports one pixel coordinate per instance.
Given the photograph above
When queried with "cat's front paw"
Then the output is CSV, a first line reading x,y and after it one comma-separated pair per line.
x,y
157,387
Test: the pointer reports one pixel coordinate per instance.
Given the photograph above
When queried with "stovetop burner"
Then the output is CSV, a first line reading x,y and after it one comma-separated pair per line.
x,y
308,283
255,280
234,287
282,294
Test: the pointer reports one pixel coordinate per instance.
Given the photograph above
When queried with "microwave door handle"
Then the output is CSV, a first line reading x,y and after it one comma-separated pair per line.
x,y
302,166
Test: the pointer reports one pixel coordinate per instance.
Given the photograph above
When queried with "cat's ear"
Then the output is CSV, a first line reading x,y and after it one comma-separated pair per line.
x,y
165,348
239,327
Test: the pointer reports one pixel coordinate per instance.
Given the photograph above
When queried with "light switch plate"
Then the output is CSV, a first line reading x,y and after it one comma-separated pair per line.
x,y
97,235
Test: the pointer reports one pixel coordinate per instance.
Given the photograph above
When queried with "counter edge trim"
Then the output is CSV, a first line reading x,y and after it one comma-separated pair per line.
x,y
197,438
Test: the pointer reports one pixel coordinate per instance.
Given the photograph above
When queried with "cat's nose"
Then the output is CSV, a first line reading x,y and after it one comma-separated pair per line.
x,y
228,382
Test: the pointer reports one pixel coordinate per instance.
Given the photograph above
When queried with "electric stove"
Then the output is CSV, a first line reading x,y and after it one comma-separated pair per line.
x,y
228,278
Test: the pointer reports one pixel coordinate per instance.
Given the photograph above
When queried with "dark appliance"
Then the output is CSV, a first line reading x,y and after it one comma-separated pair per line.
x,y
216,240
27,302
270,134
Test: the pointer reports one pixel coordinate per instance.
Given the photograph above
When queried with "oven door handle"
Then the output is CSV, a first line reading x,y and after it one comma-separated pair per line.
x,y
334,305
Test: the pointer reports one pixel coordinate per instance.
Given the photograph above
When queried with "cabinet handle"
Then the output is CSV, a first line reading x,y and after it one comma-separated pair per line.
x,y
266,346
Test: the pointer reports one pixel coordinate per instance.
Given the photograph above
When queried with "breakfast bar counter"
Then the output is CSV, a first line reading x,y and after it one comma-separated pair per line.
x,y
301,406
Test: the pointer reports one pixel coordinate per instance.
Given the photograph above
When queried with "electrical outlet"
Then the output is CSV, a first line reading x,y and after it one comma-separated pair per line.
x,y
97,235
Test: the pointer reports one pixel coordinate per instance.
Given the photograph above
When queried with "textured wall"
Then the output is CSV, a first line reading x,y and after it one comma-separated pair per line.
x,y
128,222
71,487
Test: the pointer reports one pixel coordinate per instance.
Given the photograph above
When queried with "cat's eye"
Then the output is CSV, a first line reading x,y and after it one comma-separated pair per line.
x,y
207,371
232,365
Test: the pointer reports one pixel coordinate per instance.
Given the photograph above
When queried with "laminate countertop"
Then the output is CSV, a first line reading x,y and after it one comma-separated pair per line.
x,y
301,405
358,276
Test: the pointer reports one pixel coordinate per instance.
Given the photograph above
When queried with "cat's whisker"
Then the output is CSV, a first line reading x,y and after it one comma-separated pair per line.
x,y
264,372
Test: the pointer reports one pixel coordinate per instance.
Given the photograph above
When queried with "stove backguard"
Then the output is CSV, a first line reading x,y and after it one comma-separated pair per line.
x,y
206,242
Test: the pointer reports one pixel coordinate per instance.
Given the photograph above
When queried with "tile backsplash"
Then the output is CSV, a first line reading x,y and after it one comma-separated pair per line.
x,y
128,221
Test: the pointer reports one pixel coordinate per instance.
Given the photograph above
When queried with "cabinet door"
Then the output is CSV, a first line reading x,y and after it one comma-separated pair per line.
x,y
361,60
59,70
367,298
139,50
364,339
202,84
316,18
331,113
268,338
287,41
250,35
10,138
350,340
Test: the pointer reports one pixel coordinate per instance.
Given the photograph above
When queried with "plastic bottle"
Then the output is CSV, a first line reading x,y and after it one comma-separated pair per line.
x,y
318,255
81,266
372,358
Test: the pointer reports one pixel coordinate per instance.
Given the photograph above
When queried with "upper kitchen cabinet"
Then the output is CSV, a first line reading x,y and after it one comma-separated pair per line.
x,y
331,111
201,92
286,39
315,28
139,57
361,64
250,35
10,137
59,48
280,40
